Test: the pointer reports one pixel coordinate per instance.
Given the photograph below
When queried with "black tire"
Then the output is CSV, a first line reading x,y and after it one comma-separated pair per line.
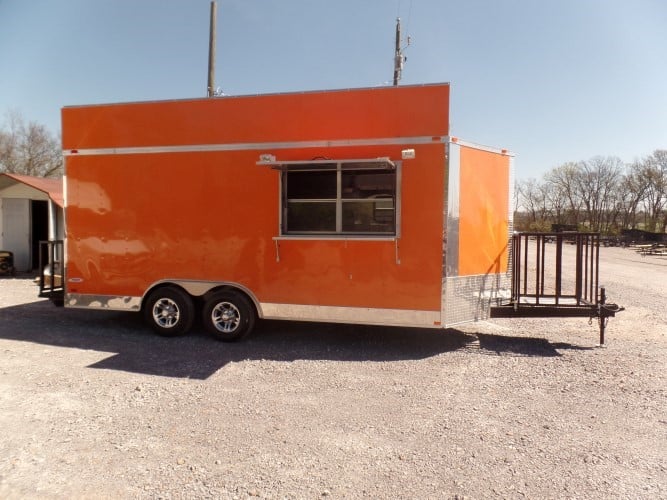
x,y
228,316
169,311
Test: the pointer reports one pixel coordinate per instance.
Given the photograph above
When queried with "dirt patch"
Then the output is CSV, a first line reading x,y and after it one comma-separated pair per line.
x,y
92,404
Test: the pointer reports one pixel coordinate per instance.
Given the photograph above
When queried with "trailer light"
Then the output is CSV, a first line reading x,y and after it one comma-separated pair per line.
x,y
267,158
408,154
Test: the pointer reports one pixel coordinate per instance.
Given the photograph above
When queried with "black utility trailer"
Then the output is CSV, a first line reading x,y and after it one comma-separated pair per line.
x,y
568,291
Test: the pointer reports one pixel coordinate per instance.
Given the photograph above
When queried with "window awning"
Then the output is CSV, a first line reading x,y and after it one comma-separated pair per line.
x,y
327,164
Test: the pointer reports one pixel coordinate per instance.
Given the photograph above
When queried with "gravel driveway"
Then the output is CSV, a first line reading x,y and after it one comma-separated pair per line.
x,y
94,405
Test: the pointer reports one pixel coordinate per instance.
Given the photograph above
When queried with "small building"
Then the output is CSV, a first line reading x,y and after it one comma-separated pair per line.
x,y
31,210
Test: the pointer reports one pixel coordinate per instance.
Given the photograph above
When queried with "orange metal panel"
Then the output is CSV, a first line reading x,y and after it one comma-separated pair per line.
x,y
136,219
484,217
344,114
366,273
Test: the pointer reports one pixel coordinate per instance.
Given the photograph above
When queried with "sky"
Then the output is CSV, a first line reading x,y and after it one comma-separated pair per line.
x,y
552,81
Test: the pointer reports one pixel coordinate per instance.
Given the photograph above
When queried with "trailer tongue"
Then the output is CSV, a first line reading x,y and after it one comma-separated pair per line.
x,y
545,283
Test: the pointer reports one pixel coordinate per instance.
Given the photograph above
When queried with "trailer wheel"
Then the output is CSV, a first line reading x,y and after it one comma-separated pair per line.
x,y
169,311
228,316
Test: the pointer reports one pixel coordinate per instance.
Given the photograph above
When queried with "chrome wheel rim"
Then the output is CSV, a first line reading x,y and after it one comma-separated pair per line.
x,y
225,317
166,313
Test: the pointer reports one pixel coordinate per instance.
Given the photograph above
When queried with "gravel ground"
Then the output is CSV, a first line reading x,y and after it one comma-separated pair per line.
x,y
93,405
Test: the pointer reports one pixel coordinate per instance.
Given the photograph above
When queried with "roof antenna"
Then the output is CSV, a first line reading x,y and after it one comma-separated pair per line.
x,y
399,58
211,91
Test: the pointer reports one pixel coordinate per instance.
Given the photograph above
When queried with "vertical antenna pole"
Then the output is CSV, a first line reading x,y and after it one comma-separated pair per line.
x,y
211,52
398,57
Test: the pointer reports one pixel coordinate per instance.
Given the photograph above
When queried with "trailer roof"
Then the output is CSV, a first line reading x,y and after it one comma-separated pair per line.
x,y
482,147
321,91
261,121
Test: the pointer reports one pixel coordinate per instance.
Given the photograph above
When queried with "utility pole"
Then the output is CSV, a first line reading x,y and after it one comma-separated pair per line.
x,y
398,55
211,51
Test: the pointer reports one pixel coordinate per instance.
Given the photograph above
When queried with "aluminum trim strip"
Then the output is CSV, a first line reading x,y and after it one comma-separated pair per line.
x,y
355,315
296,312
452,215
510,217
399,200
249,146
196,288
345,237
445,236
482,147
110,302
370,163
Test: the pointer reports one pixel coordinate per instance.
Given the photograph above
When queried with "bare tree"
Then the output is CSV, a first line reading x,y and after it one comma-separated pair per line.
x,y
557,201
612,221
563,181
601,193
632,189
596,180
29,148
655,199
532,198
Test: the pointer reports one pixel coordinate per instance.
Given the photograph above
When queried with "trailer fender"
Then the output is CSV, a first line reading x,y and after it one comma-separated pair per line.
x,y
200,289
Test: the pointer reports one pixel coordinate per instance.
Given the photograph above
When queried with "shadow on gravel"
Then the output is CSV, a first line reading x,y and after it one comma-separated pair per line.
x,y
135,348
523,346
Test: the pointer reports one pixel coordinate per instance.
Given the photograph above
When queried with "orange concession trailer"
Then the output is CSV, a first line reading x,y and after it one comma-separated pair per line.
x,y
353,206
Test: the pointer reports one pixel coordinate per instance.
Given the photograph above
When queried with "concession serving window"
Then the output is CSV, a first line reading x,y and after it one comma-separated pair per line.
x,y
339,197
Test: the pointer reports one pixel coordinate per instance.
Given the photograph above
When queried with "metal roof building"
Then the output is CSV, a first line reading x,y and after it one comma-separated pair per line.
x,y
31,210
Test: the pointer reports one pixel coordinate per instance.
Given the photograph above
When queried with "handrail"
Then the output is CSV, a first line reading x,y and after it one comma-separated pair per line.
x,y
51,276
534,287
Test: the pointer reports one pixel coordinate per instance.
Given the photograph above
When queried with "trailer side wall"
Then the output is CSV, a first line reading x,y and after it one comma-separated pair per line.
x,y
172,191
479,222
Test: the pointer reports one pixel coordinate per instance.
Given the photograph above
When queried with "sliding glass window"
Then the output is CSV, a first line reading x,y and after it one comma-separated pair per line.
x,y
337,198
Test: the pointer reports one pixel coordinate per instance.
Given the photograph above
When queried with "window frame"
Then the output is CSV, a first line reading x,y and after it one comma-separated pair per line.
x,y
375,165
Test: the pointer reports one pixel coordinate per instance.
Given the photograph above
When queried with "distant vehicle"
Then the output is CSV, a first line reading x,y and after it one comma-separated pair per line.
x,y
7,262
